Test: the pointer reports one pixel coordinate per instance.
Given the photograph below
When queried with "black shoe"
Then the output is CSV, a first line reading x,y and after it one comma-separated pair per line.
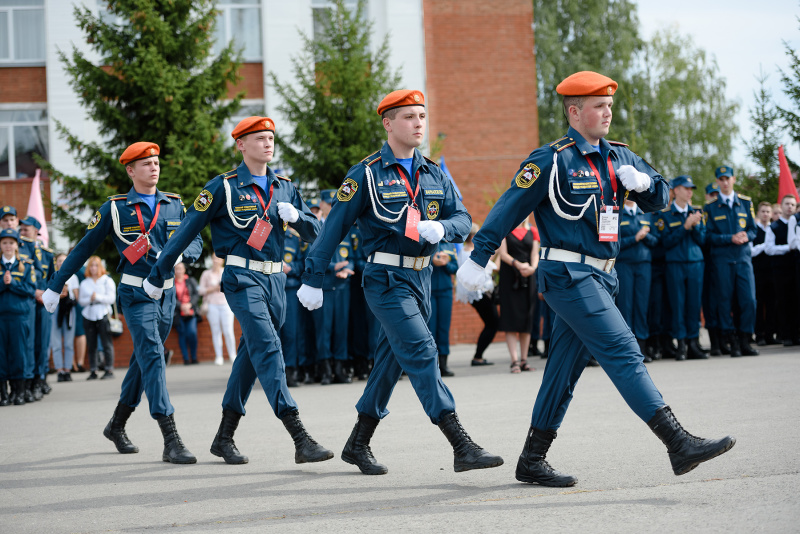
x,y
744,345
480,362
115,429
357,450
175,451
713,336
761,341
67,377
327,373
685,450
533,348
61,377
18,392
668,350
467,454
291,377
92,376
643,349
546,351
733,342
592,362
46,389
787,343
532,466
223,445
309,378
5,398
107,375
28,391
186,362
168,357
680,353
305,448
443,369
340,373
695,352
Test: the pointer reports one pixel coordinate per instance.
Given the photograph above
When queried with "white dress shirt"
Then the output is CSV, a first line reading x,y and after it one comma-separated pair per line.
x,y
105,292
769,240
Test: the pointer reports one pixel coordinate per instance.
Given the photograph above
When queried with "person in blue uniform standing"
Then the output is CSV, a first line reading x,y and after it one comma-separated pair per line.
x,y
331,320
293,337
574,186
248,210
29,229
363,335
731,227
445,265
140,223
710,298
387,193
17,293
634,270
683,236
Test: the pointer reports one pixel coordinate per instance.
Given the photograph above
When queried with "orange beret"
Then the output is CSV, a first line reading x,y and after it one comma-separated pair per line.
x,y
398,99
587,83
253,125
137,151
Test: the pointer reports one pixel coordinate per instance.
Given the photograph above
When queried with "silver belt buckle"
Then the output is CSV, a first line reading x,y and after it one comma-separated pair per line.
x,y
421,260
609,265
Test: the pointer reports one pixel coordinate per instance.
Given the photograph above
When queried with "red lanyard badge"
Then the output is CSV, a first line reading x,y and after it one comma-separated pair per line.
x,y
612,176
412,213
139,248
262,228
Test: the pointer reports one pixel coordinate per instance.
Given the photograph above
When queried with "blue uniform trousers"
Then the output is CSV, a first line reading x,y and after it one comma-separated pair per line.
x,y
439,321
735,282
400,300
658,312
587,324
363,329
29,357
149,322
634,295
293,336
41,344
331,322
710,296
15,334
258,302
685,282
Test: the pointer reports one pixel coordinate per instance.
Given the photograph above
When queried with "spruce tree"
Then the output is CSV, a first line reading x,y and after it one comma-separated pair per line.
x,y
330,106
763,146
154,81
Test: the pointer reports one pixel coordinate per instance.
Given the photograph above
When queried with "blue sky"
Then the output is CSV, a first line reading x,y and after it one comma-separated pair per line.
x,y
742,35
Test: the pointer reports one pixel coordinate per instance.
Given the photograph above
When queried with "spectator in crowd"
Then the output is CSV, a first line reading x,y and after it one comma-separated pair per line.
x,y
481,300
519,256
776,212
62,338
778,242
97,293
766,321
219,314
186,312
445,264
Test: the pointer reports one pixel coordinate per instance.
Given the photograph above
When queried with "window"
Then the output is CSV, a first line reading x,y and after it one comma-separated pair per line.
x,y
239,20
22,35
321,13
22,134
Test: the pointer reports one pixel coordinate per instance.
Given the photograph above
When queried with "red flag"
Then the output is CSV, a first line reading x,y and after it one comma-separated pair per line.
x,y
36,207
785,182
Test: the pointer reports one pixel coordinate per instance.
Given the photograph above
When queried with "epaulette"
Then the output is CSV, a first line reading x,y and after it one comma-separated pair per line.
x,y
172,195
616,143
745,197
712,201
369,160
429,160
46,249
283,178
26,239
668,208
697,207
230,174
562,143
26,260
118,197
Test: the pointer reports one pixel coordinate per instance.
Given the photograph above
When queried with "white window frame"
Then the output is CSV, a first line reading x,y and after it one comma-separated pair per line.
x,y
12,155
226,8
11,60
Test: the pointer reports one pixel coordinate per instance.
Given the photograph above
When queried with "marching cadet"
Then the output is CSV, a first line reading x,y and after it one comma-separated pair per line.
x,y
17,300
730,229
445,265
710,297
331,320
784,264
762,273
634,272
388,192
293,337
683,236
29,231
363,335
584,177
140,223
248,210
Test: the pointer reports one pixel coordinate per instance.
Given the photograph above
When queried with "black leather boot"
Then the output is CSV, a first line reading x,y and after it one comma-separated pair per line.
x,y
18,392
5,399
667,348
443,369
174,450
643,350
115,429
680,354
695,351
357,451
733,341
291,377
27,390
724,342
340,373
36,389
685,450
305,448
309,375
223,445
744,345
532,466
713,336
326,372
46,389
467,454
546,350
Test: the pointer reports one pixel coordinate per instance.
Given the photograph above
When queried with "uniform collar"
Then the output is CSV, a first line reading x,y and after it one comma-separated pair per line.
x,y
244,178
388,159
585,148
677,209
134,198
734,196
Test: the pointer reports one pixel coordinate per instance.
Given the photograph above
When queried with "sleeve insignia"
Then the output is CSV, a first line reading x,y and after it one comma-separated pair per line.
x,y
742,222
95,220
660,224
527,176
203,200
433,210
343,252
285,225
287,258
347,190
33,277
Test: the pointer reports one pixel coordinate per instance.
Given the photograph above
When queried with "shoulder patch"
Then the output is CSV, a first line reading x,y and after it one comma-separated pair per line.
x,y
527,176
203,200
172,195
347,190
616,143
745,197
230,174
283,178
95,220
429,160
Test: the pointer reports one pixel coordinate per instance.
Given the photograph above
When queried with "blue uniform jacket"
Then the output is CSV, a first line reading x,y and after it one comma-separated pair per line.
x,y
532,189
16,298
47,265
436,201
27,251
442,277
359,258
630,250
170,218
722,223
344,252
294,250
682,245
230,197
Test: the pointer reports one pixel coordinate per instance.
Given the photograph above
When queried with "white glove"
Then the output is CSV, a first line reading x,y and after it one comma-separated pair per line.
x,y
50,299
287,212
633,180
431,231
180,258
310,297
152,291
472,276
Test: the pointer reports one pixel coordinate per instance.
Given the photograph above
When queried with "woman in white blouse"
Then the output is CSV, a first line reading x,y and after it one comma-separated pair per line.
x,y
62,337
219,314
97,293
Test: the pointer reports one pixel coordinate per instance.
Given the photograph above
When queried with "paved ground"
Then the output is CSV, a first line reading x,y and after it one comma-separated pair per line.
x,y
58,473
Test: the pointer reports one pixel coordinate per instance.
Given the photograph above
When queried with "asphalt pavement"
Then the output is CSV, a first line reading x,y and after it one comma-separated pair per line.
x,y
59,474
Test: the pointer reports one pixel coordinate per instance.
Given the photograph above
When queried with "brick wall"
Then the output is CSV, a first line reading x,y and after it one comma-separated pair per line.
x,y
481,83
17,193
252,82
23,84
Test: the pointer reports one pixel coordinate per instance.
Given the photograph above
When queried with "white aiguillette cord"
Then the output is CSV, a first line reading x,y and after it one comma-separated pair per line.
x,y
561,213
234,219
118,230
373,198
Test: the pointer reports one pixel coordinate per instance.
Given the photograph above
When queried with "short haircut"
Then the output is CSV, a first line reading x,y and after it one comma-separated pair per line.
x,y
390,114
573,101
762,204
789,195
101,270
